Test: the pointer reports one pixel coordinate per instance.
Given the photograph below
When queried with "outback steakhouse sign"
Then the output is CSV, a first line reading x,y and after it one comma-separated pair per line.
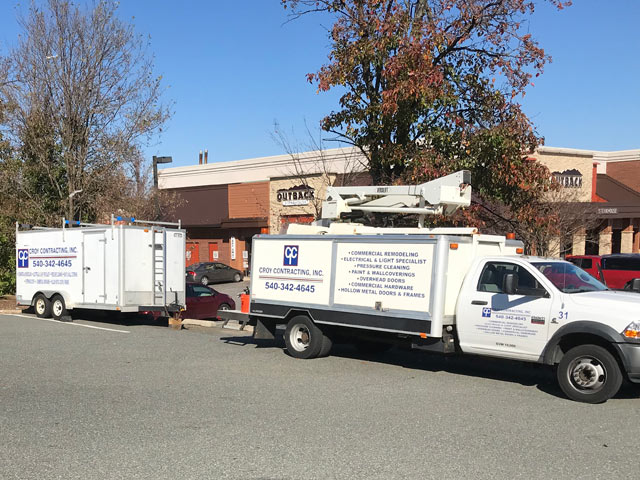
x,y
298,195
569,178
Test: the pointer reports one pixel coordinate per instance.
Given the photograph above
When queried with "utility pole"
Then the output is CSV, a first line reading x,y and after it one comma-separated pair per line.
x,y
156,161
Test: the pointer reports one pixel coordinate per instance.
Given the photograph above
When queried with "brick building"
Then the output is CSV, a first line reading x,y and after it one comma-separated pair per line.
x,y
610,183
222,205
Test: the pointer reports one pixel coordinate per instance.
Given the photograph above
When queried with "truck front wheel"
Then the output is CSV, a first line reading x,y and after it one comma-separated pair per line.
x,y
589,374
42,306
303,338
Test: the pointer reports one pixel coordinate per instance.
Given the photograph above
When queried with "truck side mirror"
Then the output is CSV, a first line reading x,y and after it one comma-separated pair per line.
x,y
635,285
510,284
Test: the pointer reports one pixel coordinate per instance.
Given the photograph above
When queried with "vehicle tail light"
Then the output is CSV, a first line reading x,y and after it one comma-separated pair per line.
x,y
192,273
632,330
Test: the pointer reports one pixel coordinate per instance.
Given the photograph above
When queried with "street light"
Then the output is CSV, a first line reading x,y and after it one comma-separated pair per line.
x,y
71,195
156,161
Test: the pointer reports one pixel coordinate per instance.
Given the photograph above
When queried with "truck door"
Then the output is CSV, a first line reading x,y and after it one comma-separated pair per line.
x,y
491,322
93,261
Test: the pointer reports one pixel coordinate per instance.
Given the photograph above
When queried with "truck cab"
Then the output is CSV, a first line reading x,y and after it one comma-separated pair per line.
x,y
550,311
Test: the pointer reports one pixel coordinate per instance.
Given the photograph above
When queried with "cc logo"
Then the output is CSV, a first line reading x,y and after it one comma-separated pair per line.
x,y
290,255
23,258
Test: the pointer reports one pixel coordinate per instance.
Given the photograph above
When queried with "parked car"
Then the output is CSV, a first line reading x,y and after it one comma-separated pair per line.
x,y
615,270
210,272
201,303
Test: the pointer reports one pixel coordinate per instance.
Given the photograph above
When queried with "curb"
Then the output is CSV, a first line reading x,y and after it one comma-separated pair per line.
x,y
231,325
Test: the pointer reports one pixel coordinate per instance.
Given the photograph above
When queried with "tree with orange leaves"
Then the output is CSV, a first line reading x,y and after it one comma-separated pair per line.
x,y
431,87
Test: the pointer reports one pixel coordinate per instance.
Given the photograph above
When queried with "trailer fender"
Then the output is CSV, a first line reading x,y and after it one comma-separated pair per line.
x,y
46,293
51,293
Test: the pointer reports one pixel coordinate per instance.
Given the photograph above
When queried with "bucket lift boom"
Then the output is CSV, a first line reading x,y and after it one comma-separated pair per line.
x,y
442,196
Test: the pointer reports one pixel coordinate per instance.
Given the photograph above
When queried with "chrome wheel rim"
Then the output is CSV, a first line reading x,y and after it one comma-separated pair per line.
x,y
587,374
300,337
40,306
57,308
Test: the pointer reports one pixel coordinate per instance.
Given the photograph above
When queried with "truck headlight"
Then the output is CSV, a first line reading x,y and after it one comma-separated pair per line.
x,y
632,330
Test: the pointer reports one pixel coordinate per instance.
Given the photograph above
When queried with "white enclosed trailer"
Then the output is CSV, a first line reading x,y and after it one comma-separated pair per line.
x,y
129,268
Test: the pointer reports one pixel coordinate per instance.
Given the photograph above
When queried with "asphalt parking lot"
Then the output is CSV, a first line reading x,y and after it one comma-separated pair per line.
x,y
106,399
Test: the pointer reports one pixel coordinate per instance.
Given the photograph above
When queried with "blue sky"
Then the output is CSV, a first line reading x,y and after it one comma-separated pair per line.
x,y
233,68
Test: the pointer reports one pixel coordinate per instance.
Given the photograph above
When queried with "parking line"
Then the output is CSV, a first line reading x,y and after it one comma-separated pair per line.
x,y
66,323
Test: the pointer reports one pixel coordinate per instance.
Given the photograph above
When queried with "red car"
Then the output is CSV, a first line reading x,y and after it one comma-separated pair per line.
x,y
202,302
616,271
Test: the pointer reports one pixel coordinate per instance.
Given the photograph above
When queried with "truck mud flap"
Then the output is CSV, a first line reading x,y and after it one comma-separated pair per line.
x,y
446,344
264,329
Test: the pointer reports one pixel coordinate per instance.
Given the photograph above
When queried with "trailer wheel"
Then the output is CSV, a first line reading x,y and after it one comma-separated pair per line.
x,y
58,308
303,338
589,374
42,306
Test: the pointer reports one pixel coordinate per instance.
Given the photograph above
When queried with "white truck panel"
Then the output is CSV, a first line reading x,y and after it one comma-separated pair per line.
x,y
291,270
393,275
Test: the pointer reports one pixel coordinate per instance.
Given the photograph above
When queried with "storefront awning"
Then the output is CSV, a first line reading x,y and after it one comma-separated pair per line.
x,y
244,223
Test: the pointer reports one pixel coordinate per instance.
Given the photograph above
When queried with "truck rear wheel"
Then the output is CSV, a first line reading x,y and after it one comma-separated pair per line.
x,y
589,374
303,338
327,344
42,306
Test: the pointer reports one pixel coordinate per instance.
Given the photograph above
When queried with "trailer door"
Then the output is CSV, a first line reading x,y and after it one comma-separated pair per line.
x,y
94,267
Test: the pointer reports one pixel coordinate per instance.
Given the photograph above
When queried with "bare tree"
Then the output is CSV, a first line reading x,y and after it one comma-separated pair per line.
x,y
562,216
82,101
569,217
314,168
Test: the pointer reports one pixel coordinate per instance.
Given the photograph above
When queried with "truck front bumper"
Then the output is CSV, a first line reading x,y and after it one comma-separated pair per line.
x,y
630,353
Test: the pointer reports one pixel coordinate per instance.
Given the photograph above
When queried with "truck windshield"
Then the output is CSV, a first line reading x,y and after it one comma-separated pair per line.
x,y
568,278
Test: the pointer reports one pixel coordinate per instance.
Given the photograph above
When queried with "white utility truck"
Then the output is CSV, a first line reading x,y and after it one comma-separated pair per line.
x,y
133,267
441,290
